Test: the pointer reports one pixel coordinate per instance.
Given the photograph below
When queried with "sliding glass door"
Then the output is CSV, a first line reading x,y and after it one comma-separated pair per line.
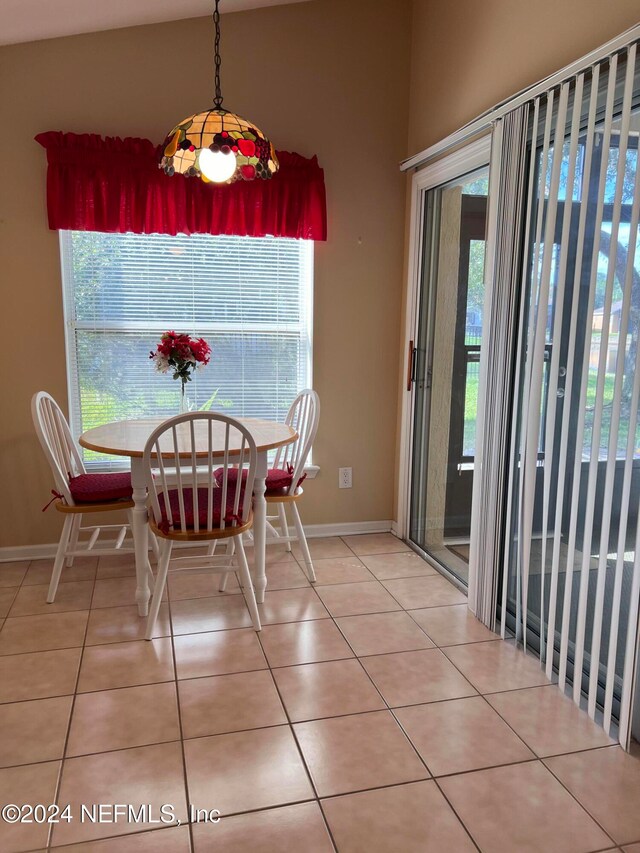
x,y
522,426
445,370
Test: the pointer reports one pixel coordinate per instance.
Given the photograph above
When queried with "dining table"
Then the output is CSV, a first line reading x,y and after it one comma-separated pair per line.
x,y
128,438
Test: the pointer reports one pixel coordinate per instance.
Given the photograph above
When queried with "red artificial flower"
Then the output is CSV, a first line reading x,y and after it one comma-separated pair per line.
x,y
201,350
181,353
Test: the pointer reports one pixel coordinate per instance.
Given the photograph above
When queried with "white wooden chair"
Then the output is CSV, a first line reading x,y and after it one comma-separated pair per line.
x,y
70,475
188,504
303,416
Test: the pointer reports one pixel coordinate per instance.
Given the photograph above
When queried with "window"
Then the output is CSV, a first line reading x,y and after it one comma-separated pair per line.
x,y
251,298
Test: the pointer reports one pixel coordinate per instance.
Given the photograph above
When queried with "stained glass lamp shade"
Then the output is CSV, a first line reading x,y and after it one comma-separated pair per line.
x,y
216,145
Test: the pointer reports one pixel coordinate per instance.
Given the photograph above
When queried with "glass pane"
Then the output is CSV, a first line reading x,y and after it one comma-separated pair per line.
x,y
472,341
447,364
471,406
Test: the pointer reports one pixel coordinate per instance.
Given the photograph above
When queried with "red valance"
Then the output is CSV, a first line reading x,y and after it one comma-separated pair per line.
x,y
113,184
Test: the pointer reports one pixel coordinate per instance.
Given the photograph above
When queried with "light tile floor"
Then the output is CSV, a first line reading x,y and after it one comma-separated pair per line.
x,y
372,714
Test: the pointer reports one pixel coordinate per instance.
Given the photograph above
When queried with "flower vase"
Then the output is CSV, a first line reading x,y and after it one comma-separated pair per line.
x,y
184,402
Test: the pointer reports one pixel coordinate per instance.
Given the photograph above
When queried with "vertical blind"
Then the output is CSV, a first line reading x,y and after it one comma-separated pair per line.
x,y
508,175
249,297
572,572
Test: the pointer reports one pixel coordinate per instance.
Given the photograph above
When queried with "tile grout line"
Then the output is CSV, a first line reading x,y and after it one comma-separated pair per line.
x,y
21,584
79,845
17,588
58,787
297,743
575,798
180,726
245,628
393,709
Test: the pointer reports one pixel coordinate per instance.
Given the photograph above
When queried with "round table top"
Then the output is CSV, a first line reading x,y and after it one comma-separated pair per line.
x,y
128,438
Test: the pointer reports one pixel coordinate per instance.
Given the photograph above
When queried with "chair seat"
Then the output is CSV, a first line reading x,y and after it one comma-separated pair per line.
x,y
171,521
100,488
283,495
81,509
278,480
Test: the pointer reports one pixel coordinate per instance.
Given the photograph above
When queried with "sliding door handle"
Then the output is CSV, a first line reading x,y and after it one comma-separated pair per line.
x,y
411,365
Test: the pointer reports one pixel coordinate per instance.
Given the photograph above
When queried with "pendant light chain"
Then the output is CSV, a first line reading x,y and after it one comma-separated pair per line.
x,y
217,101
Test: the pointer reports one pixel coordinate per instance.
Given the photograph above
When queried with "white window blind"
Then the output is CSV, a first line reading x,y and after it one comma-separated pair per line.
x,y
250,298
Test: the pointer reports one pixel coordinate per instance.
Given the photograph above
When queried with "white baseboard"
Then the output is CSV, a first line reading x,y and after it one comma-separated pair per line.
x,y
395,529
313,531
349,528
27,552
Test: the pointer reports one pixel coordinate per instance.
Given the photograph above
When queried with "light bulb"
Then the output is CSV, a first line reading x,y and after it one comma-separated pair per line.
x,y
217,166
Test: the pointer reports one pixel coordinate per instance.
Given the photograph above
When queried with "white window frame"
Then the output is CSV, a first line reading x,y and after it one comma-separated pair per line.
x,y
71,325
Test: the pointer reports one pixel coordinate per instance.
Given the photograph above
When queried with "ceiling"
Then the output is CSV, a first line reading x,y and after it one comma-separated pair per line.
x,y
31,20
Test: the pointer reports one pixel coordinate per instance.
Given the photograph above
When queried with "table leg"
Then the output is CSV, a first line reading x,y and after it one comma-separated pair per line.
x,y
260,529
140,535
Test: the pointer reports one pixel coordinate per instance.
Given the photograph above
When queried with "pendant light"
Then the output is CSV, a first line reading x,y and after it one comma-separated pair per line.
x,y
216,145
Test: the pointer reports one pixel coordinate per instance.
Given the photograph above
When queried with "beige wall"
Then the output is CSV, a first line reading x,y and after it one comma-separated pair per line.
x,y
312,76
467,55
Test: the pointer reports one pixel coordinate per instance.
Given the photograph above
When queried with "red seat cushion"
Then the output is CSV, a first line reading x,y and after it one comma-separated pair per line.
x,y
277,478
166,523
98,488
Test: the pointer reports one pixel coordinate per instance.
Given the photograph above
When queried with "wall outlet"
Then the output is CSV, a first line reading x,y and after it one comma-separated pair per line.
x,y
345,478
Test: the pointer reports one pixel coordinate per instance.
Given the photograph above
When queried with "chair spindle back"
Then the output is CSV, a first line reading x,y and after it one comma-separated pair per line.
x,y
186,449
303,416
57,442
